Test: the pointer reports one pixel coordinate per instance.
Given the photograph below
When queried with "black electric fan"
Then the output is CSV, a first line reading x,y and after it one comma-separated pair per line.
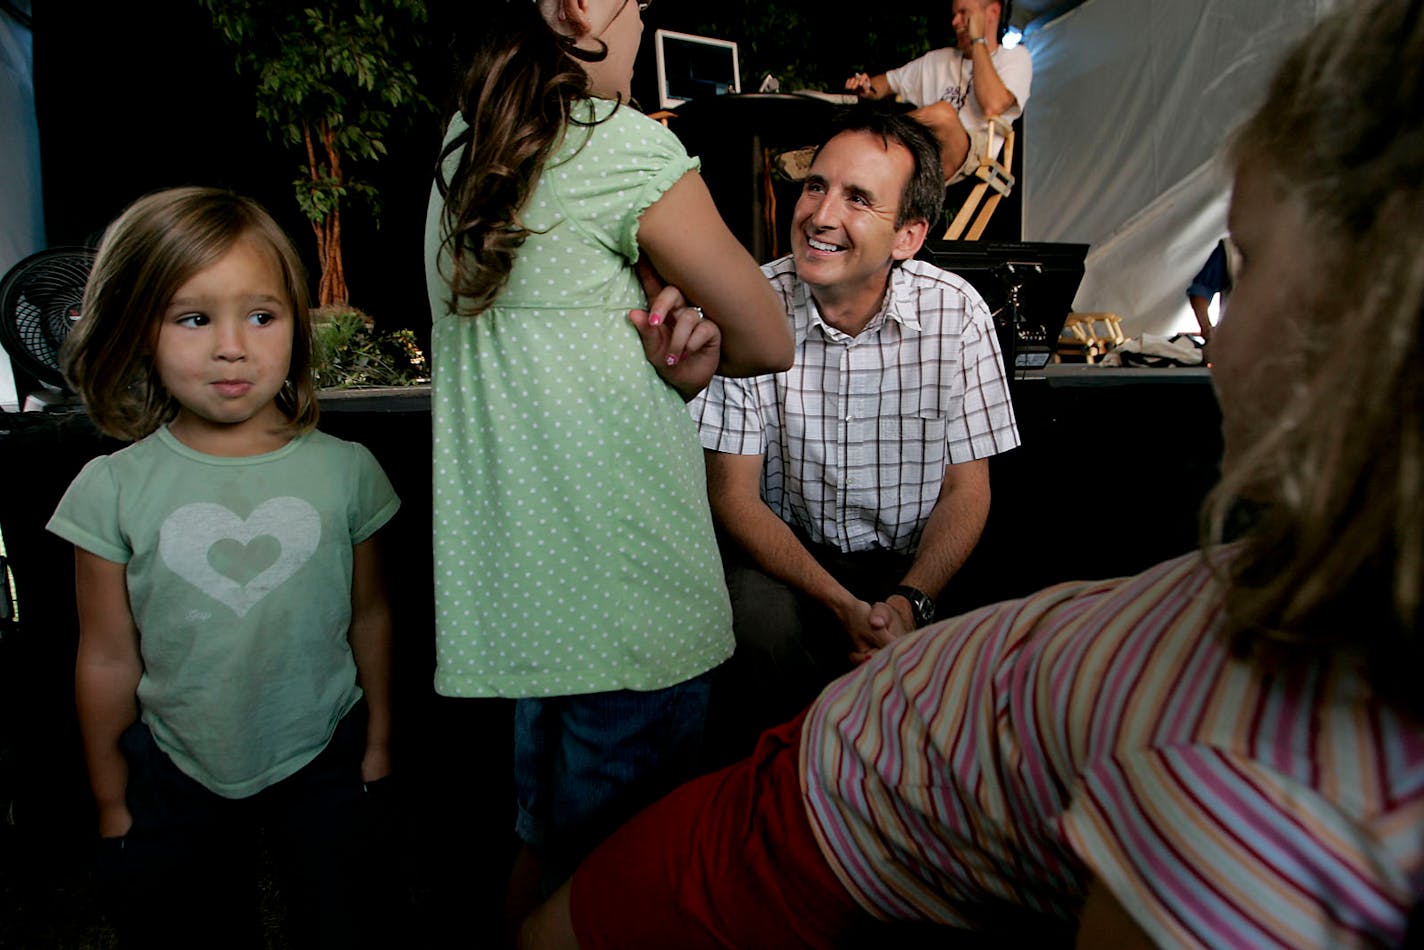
x,y
40,301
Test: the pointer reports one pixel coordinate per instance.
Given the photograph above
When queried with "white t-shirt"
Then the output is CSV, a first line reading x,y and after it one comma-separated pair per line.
x,y
947,75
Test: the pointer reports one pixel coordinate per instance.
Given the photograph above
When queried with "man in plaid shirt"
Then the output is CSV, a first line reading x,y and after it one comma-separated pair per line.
x,y
849,489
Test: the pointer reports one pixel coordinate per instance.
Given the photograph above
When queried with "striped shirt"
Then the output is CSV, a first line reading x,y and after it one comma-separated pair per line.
x,y
1004,758
857,435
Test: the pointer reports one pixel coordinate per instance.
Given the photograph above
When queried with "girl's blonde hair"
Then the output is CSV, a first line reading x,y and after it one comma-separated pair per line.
x,y
149,251
1334,558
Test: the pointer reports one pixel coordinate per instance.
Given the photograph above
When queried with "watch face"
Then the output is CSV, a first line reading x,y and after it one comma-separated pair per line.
x,y
920,605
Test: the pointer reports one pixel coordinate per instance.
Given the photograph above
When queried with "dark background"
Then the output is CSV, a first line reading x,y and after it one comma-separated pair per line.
x,y
135,97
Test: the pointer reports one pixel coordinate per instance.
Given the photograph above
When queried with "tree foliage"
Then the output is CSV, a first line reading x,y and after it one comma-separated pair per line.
x,y
332,83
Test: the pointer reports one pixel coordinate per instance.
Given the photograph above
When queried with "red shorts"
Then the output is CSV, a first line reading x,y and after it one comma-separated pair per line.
x,y
727,860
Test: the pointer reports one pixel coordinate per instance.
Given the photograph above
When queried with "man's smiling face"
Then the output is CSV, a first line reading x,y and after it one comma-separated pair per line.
x,y
843,232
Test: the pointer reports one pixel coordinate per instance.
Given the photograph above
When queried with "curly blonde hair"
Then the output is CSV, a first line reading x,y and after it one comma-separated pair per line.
x,y
1333,560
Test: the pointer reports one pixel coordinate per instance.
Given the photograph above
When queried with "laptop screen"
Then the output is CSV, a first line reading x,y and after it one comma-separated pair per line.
x,y
691,67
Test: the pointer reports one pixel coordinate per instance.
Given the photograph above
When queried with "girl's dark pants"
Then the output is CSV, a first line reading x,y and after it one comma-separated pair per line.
x,y
187,873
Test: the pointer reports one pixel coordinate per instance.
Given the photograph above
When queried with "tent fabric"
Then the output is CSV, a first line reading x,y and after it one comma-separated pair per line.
x,y
1133,103
21,210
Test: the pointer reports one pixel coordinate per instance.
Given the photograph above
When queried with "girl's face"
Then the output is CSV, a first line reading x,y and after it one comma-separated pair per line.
x,y
1257,351
224,347
619,25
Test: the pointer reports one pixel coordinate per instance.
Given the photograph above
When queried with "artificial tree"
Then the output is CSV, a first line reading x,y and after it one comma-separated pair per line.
x,y
332,81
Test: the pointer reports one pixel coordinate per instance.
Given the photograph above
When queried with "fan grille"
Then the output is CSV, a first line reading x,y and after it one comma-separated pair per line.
x,y
39,304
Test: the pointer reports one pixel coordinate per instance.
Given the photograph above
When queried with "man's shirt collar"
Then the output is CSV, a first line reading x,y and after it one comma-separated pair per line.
x,y
898,305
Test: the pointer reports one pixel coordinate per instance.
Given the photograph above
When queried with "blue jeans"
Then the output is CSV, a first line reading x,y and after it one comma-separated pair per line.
x,y
585,764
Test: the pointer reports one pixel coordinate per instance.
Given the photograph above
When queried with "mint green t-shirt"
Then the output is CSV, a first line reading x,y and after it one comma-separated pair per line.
x,y
239,577
574,550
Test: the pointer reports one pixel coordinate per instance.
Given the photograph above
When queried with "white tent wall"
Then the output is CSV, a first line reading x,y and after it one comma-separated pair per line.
x,y
1132,104
21,208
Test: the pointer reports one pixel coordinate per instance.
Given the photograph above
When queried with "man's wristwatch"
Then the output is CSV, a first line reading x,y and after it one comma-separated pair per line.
x,y
920,604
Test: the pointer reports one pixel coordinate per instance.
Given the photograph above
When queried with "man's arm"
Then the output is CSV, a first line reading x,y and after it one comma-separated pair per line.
x,y
734,491
870,87
953,529
994,97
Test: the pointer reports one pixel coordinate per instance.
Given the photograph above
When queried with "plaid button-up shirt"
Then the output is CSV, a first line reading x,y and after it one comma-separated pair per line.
x,y
857,435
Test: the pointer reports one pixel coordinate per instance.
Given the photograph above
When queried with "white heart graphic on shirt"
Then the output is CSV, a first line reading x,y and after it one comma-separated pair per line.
x,y
192,535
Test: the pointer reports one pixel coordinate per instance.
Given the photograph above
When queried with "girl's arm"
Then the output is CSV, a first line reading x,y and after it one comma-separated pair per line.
x,y
682,346
1105,923
370,638
692,249
106,679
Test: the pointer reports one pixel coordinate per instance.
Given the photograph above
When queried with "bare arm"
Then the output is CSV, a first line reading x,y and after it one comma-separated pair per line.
x,y
994,97
870,87
106,676
734,490
683,347
953,529
1104,923
1200,310
370,639
954,526
692,249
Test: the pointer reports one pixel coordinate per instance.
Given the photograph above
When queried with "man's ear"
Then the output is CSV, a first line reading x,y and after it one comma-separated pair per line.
x,y
910,238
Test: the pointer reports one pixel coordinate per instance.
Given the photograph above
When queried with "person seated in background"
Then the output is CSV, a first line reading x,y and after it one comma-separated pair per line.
x,y
956,89
1224,750
849,489
1214,278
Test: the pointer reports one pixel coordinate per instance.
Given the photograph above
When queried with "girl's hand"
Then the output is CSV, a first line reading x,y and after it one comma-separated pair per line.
x,y
683,347
376,763
114,820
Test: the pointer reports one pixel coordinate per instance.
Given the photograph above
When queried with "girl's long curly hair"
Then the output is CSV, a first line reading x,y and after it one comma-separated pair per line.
x,y
1334,560
516,100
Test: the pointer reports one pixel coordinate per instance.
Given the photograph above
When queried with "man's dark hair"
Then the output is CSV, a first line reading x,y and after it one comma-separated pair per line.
x,y
923,197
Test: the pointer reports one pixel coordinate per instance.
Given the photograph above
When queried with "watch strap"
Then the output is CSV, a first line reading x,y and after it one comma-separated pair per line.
x,y
921,605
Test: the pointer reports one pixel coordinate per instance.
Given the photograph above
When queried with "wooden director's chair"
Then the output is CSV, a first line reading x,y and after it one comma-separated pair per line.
x,y
993,174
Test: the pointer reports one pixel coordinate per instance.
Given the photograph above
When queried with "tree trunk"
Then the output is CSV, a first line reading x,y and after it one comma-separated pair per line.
x,y
331,287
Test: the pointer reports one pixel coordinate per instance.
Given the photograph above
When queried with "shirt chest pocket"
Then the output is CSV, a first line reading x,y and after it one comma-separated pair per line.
x,y
914,403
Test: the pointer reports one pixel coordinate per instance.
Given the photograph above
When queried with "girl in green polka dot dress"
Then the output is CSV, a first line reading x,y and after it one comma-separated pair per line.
x,y
575,564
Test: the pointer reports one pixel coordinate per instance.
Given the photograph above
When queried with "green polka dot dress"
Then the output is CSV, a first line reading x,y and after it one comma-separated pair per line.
x,y
574,550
